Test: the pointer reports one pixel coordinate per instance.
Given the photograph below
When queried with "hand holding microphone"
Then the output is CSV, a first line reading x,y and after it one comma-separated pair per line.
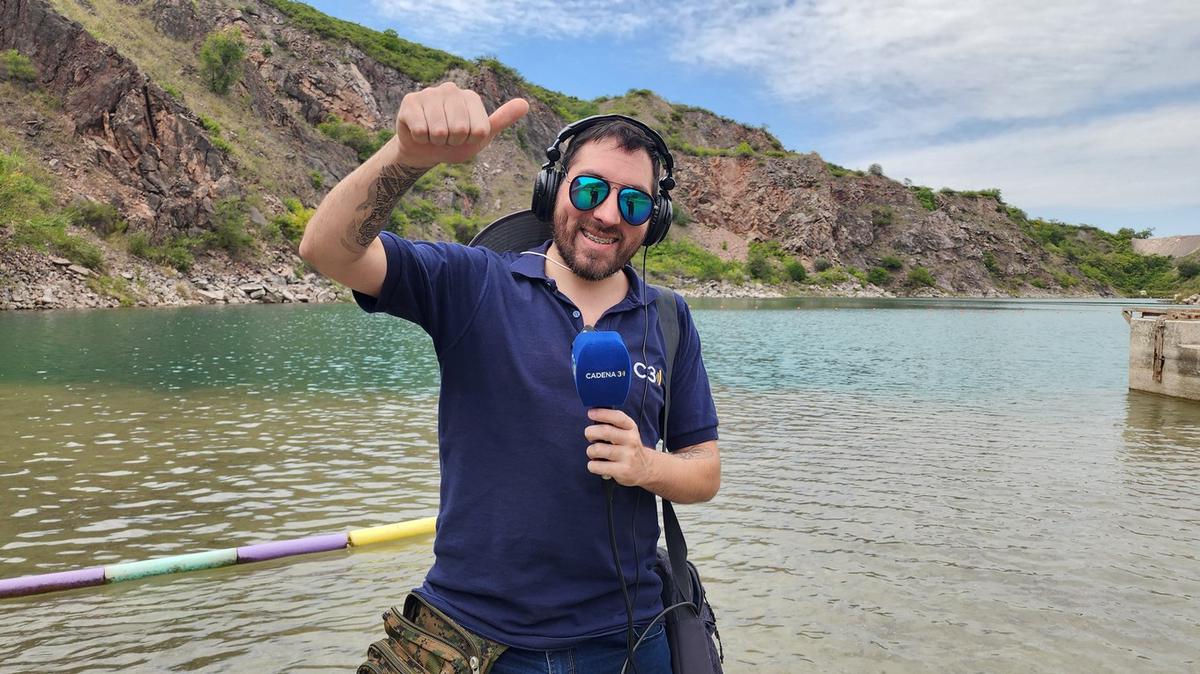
x,y
602,377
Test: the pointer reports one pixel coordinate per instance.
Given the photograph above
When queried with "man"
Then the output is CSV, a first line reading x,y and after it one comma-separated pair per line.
x,y
523,560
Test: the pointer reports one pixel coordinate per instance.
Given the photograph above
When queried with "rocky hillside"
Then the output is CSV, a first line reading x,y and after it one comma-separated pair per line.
x,y
166,192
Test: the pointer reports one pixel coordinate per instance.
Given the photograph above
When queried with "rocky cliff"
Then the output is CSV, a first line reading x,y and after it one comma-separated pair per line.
x,y
117,114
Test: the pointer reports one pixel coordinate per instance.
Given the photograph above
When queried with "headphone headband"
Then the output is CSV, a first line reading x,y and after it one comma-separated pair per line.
x,y
553,153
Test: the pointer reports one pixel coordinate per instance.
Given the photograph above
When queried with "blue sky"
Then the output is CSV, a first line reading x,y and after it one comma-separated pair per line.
x,y
1088,112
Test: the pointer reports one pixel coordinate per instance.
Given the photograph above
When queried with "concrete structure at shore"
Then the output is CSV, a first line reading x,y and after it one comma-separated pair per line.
x,y
1164,351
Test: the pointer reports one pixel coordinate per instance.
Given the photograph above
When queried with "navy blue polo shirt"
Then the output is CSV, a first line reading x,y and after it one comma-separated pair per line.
x,y
522,554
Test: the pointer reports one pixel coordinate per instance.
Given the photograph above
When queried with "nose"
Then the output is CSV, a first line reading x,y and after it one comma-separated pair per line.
x,y
607,212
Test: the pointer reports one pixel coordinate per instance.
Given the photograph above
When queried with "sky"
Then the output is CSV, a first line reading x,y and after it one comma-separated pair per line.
x,y
1086,112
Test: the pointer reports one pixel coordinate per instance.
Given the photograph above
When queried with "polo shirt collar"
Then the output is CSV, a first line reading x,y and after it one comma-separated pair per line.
x,y
534,267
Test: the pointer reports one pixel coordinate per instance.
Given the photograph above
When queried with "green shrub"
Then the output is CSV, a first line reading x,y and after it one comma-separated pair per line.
x,y
1063,279
926,197
22,195
795,270
678,258
1038,283
891,263
743,149
229,227
421,211
989,261
173,92
461,227
316,179
100,216
27,204
266,50
882,216
112,286
469,190
176,252
221,57
920,276
879,276
758,265
214,134
209,124
16,66
1188,268
1015,214
362,141
767,260
398,222
875,170
841,171
832,276
293,222
821,264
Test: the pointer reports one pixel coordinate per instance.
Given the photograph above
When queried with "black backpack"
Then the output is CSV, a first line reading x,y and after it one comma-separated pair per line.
x,y
692,628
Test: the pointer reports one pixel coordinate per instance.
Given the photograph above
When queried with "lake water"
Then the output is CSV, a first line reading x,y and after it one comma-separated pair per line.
x,y
909,486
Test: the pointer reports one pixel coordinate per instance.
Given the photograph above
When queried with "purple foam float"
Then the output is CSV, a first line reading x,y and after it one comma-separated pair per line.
x,y
299,546
50,582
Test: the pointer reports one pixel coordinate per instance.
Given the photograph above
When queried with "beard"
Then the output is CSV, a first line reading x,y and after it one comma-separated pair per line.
x,y
591,266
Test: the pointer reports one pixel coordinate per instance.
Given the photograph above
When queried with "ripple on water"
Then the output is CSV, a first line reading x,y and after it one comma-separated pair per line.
x,y
906,489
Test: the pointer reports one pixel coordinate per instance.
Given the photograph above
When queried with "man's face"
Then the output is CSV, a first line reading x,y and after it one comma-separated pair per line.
x,y
595,244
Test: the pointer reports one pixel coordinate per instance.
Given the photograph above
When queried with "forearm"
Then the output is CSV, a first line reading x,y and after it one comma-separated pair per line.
x,y
690,475
357,209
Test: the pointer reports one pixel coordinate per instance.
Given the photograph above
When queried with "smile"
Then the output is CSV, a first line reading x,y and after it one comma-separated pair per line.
x,y
597,239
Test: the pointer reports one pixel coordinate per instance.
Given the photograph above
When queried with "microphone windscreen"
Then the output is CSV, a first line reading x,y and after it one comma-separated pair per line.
x,y
602,368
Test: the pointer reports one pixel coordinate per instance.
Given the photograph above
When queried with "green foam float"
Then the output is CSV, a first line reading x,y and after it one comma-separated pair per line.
x,y
210,559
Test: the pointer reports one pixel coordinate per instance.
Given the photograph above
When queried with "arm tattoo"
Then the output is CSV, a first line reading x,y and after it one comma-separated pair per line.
x,y
382,196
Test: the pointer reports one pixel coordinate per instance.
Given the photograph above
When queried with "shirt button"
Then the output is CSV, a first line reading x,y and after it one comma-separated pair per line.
x,y
575,313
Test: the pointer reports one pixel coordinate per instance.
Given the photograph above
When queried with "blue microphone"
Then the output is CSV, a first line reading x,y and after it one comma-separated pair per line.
x,y
600,362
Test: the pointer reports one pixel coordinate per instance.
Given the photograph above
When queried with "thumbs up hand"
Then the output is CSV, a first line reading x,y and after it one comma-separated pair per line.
x,y
445,124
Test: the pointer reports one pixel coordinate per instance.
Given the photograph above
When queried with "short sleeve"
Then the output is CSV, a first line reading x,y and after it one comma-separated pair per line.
x,y
436,285
693,415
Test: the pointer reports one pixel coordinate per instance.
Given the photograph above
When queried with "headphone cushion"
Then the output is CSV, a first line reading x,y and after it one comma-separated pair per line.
x,y
545,192
660,223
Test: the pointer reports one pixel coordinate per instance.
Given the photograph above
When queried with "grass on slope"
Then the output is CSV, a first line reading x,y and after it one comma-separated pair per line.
x,y
244,134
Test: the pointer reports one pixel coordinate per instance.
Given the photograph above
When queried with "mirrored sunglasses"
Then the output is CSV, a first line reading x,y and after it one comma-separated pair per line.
x,y
588,192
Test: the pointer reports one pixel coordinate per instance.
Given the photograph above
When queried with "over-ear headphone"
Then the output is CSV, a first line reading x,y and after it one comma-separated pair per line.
x,y
545,186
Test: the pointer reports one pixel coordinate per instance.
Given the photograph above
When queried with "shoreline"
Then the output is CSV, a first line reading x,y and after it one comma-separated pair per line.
x,y
34,281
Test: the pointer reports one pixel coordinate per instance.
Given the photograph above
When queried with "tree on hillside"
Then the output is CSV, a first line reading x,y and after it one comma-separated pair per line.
x,y
16,66
221,59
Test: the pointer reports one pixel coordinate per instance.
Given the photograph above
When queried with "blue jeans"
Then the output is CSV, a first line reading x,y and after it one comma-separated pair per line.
x,y
602,655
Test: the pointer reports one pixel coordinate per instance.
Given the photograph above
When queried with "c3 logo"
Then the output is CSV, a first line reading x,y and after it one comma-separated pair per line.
x,y
644,371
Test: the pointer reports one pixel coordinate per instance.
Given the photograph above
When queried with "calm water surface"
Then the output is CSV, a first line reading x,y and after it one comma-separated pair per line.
x,y
909,486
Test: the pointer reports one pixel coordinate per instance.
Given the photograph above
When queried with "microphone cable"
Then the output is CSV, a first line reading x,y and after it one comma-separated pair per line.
x,y
630,632
609,489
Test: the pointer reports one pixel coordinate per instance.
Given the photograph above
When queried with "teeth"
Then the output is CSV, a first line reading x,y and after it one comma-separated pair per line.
x,y
598,239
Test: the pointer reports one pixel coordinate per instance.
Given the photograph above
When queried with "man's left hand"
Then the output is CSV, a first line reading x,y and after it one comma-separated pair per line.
x,y
616,451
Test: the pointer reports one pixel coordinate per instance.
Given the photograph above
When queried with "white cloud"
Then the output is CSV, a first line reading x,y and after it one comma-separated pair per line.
x,y
1143,159
1062,104
476,24
928,66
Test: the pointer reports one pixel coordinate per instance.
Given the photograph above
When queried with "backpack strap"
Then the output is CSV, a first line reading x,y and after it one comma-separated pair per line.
x,y
668,322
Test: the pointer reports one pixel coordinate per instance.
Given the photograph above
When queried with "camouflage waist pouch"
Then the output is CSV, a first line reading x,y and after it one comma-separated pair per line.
x,y
423,640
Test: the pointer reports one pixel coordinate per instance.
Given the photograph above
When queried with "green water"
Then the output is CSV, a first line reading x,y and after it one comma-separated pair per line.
x,y
908,486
